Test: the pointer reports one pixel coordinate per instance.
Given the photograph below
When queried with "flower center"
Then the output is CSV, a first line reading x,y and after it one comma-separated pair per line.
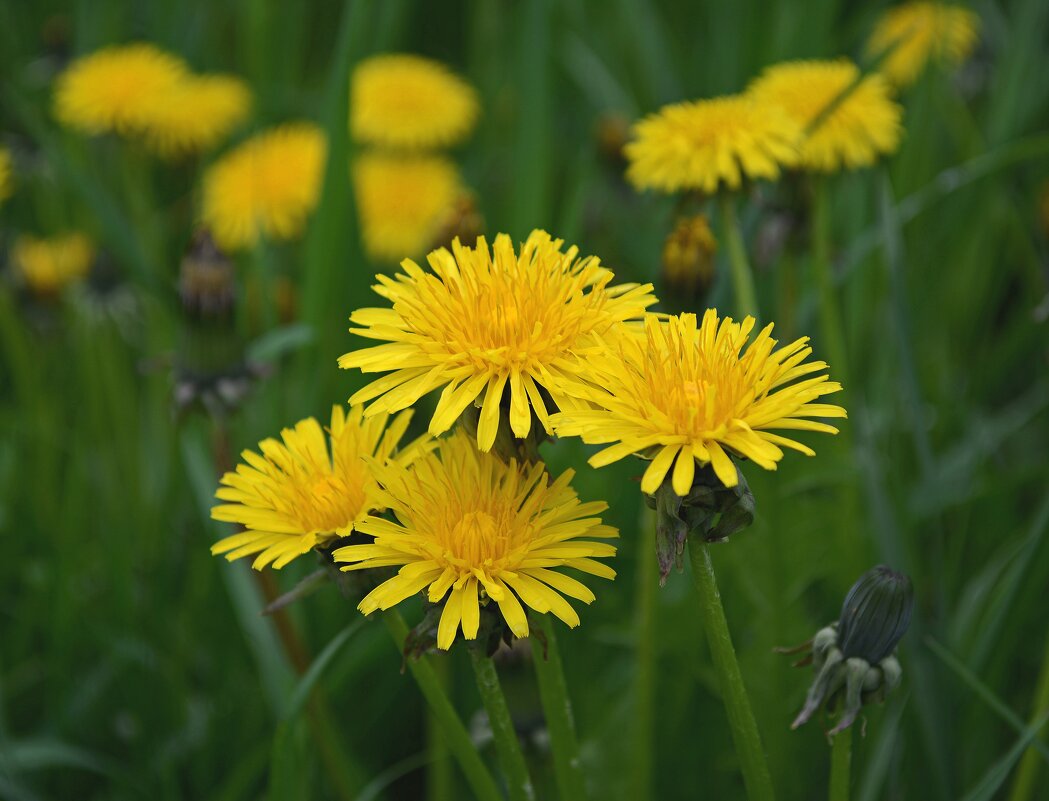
x,y
328,503
478,540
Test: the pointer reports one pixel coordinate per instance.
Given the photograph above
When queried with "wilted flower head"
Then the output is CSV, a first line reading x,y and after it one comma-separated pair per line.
x,y
402,201
6,175
706,144
296,495
410,102
681,393
847,122
265,187
920,32
485,321
476,529
875,615
195,114
48,265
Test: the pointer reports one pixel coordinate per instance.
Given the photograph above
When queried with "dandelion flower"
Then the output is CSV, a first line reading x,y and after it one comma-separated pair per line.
x,y
296,495
402,201
709,143
405,101
113,88
46,266
195,114
855,120
267,186
6,175
486,321
475,529
919,33
681,394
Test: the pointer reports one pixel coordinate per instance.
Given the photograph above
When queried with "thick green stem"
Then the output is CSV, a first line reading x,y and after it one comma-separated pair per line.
x,y
439,778
742,277
645,673
557,708
459,742
840,765
1027,774
741,720
507,746
832,328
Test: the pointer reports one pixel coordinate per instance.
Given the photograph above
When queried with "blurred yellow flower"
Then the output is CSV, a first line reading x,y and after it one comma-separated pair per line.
x,y
48,265
297,495
113,89
195,114
267,186
406,101
483,320
706,144
922,32
402,201
7,183
682,393
855,120
475,529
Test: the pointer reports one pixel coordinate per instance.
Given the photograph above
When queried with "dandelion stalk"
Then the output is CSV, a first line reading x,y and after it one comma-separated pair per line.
x,y
644,676
741,720
557,708
742,276
831,326
459,743
1027,774
506,743
439,778
840,765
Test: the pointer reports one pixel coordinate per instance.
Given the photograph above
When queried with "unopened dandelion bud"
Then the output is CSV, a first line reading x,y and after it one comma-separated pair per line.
x,y
688,259
612,132
207,282
461,221
876,614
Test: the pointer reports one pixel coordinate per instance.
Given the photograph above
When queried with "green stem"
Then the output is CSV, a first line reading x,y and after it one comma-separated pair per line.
x,y
742,277
459,742
557,709
1027,773
741,721
840,765
831,327
506,743
439,778
644,676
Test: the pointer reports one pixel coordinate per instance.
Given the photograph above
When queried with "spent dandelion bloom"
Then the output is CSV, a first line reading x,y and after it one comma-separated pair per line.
x,y
266,186
402,200
921,32
471,529
409,102
487,323
296,494
682,393
848,120
113,89
7,183
48,265
708,144
195,114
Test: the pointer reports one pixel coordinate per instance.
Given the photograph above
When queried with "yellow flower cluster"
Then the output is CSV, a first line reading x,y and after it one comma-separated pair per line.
x,y
403,107
913,34
143,92
46,266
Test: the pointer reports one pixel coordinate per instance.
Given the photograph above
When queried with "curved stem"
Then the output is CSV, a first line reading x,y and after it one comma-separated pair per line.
x,y
741,721
459,742
440,782
557,709
742,277
645,672
506,743
832,329
840,765
1027,774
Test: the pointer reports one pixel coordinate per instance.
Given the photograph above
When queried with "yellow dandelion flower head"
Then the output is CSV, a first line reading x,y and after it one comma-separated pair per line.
x,y
406,101
474,529
48,265
921,32
296,494
484,321
113,88
706,144
267,186
6,175
681,393
195,114
402,201
847,122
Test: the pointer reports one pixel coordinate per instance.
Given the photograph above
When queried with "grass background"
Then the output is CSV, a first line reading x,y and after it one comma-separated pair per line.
x,y
133,664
